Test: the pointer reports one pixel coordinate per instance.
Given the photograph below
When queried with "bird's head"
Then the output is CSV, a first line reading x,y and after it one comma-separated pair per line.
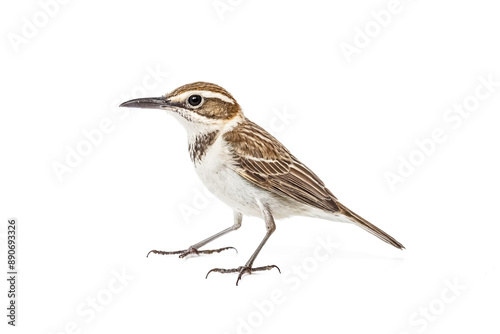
x,y
199,106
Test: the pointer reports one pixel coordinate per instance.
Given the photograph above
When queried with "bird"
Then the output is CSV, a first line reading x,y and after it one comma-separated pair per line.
x,y
247,168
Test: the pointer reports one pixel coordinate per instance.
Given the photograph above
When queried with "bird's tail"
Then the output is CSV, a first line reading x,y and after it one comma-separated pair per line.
x,y
366,225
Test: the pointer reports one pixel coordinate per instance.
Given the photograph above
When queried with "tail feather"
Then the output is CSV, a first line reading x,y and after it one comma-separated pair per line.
x,y
366,225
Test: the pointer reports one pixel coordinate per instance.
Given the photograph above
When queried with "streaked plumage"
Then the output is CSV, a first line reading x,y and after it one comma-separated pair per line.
x,y
246,167
264,161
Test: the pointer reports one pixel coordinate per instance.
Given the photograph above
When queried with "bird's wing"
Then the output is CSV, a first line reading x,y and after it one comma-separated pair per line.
x,y
263,160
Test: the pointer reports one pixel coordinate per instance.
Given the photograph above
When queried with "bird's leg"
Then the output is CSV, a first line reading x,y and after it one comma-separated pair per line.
x,y
248,267
194,249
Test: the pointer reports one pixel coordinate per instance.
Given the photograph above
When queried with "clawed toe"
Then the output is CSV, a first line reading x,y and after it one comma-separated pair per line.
x,y
189,251
242,270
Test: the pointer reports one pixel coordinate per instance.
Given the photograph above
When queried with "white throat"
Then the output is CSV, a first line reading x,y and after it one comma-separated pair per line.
x,y
202,131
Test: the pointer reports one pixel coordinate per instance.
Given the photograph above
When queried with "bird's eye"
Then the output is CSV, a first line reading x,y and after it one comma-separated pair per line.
x,y
195,100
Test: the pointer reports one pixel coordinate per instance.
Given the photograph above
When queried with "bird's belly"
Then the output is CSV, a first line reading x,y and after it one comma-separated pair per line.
x,y
241,195
230,188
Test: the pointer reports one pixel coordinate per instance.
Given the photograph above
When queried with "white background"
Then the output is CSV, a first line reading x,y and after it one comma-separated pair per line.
x,y
348,121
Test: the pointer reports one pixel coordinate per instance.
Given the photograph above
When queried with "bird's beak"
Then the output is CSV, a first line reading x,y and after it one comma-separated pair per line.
x,y
147,103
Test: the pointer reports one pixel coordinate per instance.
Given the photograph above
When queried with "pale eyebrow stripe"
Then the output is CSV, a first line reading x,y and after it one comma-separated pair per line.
x,y
204,93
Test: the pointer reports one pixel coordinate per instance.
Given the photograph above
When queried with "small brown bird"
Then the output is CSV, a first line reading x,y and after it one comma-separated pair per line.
x,y
247,168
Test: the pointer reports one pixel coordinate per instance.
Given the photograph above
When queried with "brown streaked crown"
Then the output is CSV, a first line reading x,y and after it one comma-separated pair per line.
x,y
200,85
212,107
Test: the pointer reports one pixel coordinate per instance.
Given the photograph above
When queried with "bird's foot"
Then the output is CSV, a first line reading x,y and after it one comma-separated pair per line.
x,y
242,270
190,250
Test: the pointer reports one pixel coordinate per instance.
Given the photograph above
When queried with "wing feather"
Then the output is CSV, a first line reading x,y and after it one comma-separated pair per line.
x,y
263,160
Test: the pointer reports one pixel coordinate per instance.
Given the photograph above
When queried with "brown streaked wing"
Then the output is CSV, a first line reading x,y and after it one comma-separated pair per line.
x,y
263,160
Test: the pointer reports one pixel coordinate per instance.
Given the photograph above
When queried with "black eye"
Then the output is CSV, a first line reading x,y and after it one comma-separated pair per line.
x,y
195,100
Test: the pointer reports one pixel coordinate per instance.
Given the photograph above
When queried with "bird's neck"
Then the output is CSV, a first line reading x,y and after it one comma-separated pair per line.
x,y
200,143
200,139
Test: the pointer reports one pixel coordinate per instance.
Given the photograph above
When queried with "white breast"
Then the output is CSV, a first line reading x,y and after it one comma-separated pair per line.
x,y
224,182
241,195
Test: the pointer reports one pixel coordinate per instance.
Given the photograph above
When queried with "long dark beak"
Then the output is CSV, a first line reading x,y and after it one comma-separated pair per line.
x,y
147,102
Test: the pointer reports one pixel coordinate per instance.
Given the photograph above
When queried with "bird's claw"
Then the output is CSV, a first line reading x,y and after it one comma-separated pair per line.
x,y
189,251
242,270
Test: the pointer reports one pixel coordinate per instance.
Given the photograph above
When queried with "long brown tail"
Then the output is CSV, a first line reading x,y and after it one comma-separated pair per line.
x,y
366,225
